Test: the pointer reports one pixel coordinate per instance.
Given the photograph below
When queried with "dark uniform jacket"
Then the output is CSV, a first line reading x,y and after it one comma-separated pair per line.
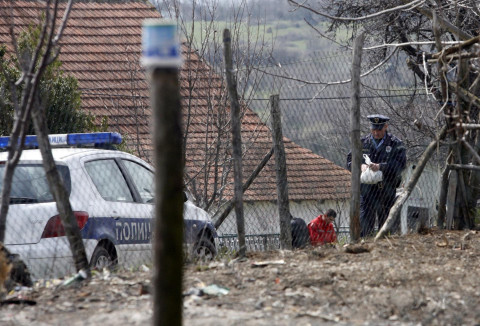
x,y
300,235
391,156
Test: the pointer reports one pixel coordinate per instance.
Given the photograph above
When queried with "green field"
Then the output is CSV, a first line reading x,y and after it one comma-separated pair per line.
x,y
288,38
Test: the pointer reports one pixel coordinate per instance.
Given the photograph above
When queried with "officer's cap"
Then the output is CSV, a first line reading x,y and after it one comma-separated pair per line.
x,y
377,121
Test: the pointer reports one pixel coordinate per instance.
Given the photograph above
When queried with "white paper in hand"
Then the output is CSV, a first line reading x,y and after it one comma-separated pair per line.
x,y
368,176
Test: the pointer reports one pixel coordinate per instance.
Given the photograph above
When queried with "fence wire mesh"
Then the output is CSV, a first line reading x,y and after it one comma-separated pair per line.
x,y
315,102
112,193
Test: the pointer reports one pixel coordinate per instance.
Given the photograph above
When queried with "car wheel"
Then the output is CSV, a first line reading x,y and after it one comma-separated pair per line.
x,y
204,250
101,259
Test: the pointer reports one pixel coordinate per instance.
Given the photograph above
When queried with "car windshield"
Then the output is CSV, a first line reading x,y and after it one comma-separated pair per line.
x,y
30,183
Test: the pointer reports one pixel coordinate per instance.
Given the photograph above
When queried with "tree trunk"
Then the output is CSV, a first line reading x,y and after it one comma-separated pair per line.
x,y
236,142
60,195
466,200
281,174
451,197
442,198
355,139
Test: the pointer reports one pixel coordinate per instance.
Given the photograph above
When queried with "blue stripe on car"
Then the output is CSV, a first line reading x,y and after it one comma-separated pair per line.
x,y
137,230
119,231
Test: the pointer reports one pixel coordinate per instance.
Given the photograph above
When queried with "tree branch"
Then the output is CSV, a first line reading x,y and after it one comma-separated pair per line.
x,y
402,198
329,83
247,184
408,6
465,95
444,23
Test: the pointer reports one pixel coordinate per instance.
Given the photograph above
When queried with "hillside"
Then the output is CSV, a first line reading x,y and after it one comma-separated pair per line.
x,y
289,39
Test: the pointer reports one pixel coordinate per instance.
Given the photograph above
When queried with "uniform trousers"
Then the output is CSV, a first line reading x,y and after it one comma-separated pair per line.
x,y
375,203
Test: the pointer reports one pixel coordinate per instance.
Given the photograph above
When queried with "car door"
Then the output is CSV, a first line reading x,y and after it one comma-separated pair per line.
x,y
142,178
122,217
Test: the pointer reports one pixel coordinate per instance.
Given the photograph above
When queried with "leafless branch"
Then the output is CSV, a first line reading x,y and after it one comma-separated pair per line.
x,y
409,6
63,23
402,198
455,56
471,150
466,95
307,82
456,48
29,106
444,23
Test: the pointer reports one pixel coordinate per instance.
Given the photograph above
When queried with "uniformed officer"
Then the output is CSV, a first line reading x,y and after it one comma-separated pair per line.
x,y
388,155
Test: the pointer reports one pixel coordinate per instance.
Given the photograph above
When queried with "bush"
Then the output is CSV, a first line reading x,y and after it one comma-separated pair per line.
x,y
58,93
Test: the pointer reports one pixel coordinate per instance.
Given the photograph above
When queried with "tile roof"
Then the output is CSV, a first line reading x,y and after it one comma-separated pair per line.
x,y
101,47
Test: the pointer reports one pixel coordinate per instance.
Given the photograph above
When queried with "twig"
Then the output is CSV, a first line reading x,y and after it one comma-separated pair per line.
x,y
408,6
471,150
463,166
455,57
398,45
465,95
457,47
66,13
307,82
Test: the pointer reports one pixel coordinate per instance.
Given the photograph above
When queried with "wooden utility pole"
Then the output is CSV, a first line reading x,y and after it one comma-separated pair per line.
x,y
281,169
355,139
236,142
168,228
159,38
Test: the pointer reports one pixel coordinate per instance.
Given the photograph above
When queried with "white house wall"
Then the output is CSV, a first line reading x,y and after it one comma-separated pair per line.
x,y
423,196
262,217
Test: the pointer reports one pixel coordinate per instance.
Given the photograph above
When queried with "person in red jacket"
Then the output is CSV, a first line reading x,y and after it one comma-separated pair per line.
x,y
321,229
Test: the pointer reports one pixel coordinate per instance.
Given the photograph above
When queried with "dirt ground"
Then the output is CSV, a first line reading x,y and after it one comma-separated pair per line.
x,y
421,279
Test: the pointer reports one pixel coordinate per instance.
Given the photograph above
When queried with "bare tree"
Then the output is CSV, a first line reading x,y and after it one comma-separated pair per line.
x,y
439,40
28,106
205,94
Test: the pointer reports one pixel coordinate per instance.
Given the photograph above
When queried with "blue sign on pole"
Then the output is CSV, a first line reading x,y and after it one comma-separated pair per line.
x,y
160,44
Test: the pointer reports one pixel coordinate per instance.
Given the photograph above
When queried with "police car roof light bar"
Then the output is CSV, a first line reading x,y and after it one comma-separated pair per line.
x,y
96,139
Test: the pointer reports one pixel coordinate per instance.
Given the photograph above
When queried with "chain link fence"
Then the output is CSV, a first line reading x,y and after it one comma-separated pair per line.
x,y
315,102
111,192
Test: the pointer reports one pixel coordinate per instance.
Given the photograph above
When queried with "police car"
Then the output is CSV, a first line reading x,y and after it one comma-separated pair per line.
x,y
111,193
